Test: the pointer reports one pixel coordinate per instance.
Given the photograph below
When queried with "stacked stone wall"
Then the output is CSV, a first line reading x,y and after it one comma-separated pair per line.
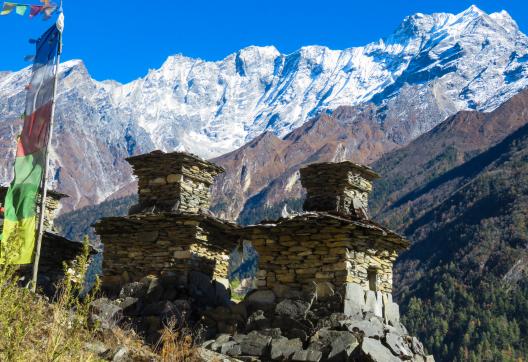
x,y
161,246
310,253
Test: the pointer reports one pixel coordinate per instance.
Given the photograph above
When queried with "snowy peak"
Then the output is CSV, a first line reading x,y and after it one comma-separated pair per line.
x,y
431,67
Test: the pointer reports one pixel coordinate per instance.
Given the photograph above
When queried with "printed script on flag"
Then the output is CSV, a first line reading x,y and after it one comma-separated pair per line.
x,y
20,214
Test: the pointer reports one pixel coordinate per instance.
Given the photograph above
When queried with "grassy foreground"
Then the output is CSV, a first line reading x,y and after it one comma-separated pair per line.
x,y
34,329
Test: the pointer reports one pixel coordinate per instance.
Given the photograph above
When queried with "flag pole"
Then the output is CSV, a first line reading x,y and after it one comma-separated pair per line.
x,y
44,189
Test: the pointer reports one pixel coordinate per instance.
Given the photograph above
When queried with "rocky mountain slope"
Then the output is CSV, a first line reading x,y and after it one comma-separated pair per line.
x,y
459,192
431,67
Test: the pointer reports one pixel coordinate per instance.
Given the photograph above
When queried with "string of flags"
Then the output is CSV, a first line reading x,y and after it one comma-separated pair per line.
x,y
47,9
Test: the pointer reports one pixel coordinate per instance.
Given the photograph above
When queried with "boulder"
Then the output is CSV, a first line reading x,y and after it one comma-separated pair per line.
x,y
131,306
307,355
106,312
262,299
337,345
294,309
417,346
371,350
231,348
154,291
165,308
219,342
257,320
134,290
372,329
272,332
255,344
397,346
342,348
283,348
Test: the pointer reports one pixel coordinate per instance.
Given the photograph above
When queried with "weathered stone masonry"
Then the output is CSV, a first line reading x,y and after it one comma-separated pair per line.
x,y
170,230
333,246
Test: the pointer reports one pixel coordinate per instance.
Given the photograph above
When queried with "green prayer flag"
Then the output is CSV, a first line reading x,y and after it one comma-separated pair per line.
x,y
21,9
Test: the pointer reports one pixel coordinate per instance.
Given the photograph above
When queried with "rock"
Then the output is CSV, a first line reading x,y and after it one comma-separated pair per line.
x,y
231,348
121,355
297,333
417,346
239,337
154,291
429,358
130,306
260,299
258,320
208,343
272,332
372,350
286,292
165,308
373,329
353,309
255,344
307,355
355,293
342,348
374,303
391,313
106,312
338,345
294,309
97,347
397,346
134,290
207,355
283,348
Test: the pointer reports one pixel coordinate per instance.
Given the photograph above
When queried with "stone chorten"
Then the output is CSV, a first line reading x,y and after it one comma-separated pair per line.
x,y
341,188
170,231
333,247
176,182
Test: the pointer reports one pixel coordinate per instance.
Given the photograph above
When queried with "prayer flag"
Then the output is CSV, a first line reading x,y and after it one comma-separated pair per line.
x,y
20,216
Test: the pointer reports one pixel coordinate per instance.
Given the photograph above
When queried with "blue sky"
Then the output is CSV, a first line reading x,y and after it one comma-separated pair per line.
x,y
122,40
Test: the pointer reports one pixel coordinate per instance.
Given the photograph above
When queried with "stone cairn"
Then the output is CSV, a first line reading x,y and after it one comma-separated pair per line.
x,y
169,251
324,285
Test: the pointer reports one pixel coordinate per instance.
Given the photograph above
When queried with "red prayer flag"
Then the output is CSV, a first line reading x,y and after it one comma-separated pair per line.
x,y
35,10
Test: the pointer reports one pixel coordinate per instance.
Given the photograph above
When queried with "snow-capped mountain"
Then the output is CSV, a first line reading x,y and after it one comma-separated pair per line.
x,y
431,67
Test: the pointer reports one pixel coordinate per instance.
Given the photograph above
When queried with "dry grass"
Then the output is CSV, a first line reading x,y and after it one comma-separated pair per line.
x,y
176,345
33,329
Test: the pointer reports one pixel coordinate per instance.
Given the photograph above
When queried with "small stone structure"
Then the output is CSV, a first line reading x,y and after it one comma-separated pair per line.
x,y
324,280
56,249
333,247
170,230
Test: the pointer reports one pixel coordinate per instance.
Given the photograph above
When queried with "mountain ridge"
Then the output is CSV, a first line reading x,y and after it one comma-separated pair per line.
x,y
430,68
